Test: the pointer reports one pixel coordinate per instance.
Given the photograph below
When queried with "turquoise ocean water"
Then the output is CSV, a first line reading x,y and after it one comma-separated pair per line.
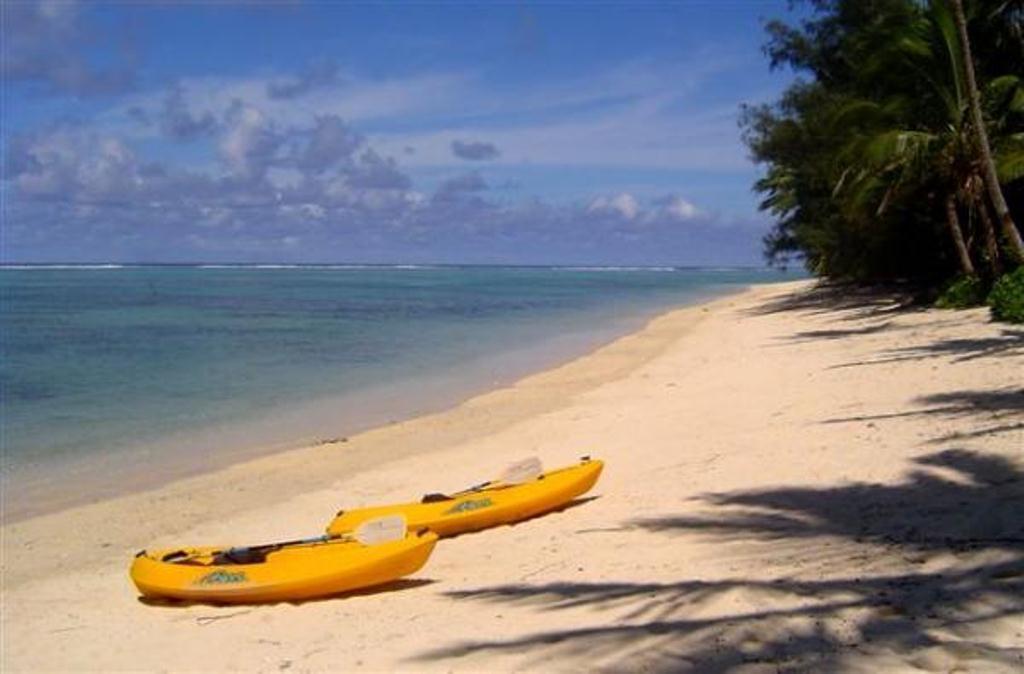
x,y
108,372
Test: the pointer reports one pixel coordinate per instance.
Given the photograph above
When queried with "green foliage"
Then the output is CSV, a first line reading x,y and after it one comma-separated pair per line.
x,y
862,152
1007,297
961,293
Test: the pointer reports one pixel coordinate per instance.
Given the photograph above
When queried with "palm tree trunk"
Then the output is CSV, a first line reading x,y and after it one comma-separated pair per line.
x,y
991,241
966,266
991,179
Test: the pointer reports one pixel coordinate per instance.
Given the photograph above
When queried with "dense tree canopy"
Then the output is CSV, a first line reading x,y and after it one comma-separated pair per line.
x,y
874,167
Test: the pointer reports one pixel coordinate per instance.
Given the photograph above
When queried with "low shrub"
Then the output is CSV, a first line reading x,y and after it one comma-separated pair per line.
x,y
1007,297
961,293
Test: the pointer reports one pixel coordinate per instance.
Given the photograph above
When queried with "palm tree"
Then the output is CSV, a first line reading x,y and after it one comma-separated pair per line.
x,y
909,141
988,163
886,162
901,186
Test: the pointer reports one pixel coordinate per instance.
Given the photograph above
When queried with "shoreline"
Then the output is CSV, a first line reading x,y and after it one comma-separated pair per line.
x,y
278,474
793,480
94,471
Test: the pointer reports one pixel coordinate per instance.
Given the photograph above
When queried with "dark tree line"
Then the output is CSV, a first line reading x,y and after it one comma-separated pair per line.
x,y
899,151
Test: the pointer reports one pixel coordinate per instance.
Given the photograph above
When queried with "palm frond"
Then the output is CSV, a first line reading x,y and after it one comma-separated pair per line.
x,y
1010,165
948,39
898,146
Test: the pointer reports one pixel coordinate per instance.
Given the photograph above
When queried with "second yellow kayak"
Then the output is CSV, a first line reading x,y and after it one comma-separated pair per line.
x,y
486,506
284,572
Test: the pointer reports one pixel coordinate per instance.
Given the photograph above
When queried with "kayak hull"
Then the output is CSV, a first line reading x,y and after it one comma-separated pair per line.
x,y
485,507
293,573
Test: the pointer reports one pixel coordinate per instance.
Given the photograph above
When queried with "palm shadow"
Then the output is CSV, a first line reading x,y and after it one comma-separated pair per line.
x,y
953,403
1001,409
939,559
841,333
879,304
1009,342
973,500
862,301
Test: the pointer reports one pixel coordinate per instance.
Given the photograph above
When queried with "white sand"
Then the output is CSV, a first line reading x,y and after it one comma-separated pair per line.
x,y
788,484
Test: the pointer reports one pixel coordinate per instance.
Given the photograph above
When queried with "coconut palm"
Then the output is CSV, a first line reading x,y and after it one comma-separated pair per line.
x,y
873,167
988,162
926,140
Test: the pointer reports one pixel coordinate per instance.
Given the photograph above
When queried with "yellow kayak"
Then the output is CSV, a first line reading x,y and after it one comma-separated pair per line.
x,y
487,505
289,571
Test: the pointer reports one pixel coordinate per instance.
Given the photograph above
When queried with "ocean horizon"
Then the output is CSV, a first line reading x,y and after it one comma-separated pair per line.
x,y
114,375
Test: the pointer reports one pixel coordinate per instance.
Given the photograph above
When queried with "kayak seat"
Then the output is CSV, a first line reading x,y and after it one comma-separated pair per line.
x,y
241,556
435,498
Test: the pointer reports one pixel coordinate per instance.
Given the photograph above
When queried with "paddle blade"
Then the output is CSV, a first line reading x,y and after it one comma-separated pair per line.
x,y
521,471
381,530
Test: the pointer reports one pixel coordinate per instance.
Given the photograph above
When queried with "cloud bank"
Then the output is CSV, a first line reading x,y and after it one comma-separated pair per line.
x,y
322,165
318,192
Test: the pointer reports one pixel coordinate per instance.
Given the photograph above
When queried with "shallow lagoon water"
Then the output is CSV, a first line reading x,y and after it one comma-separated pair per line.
x,y
109,372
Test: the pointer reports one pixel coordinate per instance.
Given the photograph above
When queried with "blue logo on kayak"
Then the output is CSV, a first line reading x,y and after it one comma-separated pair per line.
x,y
222,577
468,506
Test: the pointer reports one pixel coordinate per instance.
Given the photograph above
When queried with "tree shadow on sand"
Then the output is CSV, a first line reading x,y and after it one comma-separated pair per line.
x,y
877,306
1009,342
995,403
1001,409
863,301
939,559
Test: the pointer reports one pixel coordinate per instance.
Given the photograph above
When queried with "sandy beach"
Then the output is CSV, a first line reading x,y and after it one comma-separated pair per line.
x,y
796,479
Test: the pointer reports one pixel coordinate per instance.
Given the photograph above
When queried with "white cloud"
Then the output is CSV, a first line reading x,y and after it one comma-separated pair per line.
x,y
641,114
351,98
680,209
624,205
659,211
249,142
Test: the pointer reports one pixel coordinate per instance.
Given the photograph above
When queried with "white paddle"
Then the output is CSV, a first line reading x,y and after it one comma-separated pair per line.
x,y
371,532
381,530
519,472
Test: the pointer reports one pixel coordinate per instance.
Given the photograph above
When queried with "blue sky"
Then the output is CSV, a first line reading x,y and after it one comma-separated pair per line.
x,y
395,132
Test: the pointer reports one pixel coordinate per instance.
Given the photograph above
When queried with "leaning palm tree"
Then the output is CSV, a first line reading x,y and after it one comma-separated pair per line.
x,y
909,141
885,162
1003,101
900,141
988,163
